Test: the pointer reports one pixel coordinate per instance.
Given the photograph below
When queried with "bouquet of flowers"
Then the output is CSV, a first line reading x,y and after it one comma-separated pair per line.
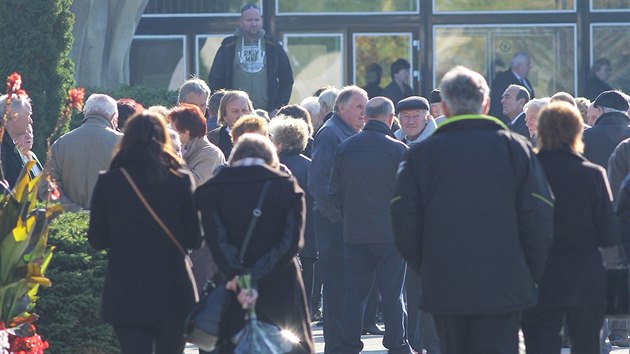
x,y
24,253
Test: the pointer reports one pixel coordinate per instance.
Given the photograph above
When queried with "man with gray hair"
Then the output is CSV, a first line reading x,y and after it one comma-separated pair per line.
x,y
515,75
18,120
194,91
474,191
78,156
361,186
326,101
347,120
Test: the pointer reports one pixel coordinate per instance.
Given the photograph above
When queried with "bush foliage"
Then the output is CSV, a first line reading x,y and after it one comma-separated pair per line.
x,y
70,309
36,39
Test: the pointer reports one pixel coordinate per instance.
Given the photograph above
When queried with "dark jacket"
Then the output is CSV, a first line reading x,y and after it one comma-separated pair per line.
x,y
12,163
501,81
583,221
619,166
520,127
328,137
279,73
146,280
472,213
222,139
299,165
394,93
226,202
623,215
601,140
362,183
595,86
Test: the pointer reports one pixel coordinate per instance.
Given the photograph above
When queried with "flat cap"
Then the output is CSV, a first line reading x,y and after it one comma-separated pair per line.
x,y
435,96
612,99
413,102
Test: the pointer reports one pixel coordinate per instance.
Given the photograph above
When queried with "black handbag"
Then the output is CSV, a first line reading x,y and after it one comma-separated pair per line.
x,y
618,287
203,324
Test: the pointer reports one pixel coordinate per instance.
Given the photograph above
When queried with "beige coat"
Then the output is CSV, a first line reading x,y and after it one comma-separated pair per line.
x,y
202,157
78,156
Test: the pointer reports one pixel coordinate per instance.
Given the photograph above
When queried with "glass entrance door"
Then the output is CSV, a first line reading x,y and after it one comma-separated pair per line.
x,y
382,49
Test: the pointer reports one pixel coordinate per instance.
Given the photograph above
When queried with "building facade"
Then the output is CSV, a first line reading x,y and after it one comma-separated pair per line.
x,y
330,42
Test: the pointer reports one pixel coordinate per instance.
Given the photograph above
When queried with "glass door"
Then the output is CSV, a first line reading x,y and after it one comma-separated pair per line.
x,y
372,50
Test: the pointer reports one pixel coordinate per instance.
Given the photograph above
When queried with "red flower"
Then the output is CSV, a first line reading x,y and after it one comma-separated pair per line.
x,y
53,190
75,98
14,83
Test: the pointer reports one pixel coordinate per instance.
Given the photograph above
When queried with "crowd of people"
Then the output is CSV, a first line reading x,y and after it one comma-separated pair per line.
x,y
462,217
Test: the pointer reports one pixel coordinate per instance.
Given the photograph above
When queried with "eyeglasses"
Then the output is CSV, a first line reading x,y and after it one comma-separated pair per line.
x,y
250,6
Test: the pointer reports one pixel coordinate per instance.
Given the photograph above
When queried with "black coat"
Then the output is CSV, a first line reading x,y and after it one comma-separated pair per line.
x,y
146,280
362,183
595,86
299,165
12,163
520,127
394,93
501,81
583,221
226,202
222,139
279,73
472,213
601,140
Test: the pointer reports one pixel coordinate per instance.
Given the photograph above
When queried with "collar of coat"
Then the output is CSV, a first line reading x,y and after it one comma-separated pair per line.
x,y
612,118
246,174
95,119
378,126
470,121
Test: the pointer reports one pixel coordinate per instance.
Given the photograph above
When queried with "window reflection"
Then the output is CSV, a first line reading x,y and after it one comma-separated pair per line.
x,y
167,72
382,49
610,5
207,47
316,60
490,49
196,6
504,5
613,43
336,6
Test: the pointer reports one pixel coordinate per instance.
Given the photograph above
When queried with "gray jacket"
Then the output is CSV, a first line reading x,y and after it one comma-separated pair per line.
x,y
78,156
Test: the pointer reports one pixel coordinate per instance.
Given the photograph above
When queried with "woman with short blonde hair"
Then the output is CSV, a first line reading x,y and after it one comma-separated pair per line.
x,y
572,288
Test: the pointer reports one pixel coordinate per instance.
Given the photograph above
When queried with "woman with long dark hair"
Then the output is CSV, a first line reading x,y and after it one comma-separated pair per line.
x,y
148,292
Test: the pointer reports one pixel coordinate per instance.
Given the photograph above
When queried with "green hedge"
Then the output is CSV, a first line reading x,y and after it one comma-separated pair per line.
x,y
70,309
36,40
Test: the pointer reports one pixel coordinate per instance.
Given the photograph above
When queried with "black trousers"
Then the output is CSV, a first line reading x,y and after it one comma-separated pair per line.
x,y
330,247
161,338
308,275
541,328
478,334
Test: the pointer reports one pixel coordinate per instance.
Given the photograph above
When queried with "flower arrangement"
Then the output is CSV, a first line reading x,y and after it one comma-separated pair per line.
x,y
24,253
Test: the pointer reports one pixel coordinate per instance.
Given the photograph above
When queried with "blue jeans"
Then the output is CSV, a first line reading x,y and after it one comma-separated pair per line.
x,y
329,237
362,263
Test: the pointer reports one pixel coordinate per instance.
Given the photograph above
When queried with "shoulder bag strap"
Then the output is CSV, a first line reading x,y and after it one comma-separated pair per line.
x,y
188,261
256,213
152,212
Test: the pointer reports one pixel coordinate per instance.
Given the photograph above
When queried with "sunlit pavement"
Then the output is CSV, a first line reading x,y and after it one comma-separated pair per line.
x,y
373,345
